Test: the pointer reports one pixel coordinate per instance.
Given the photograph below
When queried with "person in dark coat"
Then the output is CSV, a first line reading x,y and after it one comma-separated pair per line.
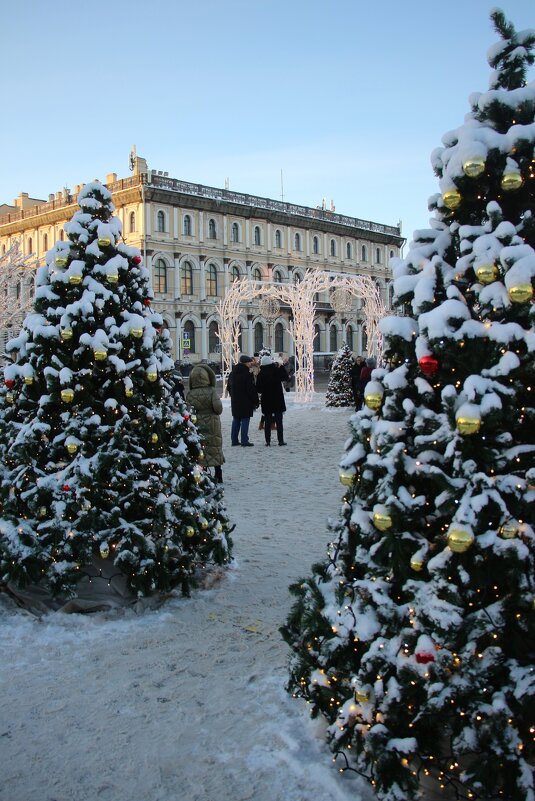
x,y
366,373
243,400
203,397
270,386
356,368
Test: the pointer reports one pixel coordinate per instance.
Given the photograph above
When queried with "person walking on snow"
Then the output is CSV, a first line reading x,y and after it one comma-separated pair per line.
x,y
203,398
243,400
269,385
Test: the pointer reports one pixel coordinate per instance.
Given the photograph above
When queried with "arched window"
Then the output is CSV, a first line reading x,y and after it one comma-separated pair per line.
x,y
392,254
189,334
62,235
186,279
333,338
297,242
132,222
391,295
333,247
349,337
45,242
258,337
279,337
277,276
257,275
18,289
297,278
186,225
349,253
257,239
317,334
160,222
160,276
278,239
213,338
211,280
211,229
378,255
235,232
30,245
364,253
234,273
315,245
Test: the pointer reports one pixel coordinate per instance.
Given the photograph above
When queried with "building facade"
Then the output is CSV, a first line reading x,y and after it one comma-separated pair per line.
x,y
196,240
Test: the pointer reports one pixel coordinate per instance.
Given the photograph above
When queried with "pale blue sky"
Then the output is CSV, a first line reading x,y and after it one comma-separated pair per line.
x,y
347,97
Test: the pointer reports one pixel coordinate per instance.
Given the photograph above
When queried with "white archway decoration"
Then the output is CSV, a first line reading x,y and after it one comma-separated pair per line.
x,y
301,299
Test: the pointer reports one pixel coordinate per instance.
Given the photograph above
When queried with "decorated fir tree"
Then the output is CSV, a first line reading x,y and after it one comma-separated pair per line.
x,y
100,457
339,388
416,637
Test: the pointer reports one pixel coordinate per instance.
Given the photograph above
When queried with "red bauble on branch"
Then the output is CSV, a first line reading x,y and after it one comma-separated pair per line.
x,y
9,382
428,365
137,259
423,658
146,301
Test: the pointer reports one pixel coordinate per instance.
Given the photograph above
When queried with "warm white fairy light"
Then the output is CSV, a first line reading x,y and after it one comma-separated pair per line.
x,y
301,299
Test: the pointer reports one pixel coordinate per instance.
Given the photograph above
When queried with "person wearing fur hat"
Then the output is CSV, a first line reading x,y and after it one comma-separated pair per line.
x,y
203,398
269,384
243,400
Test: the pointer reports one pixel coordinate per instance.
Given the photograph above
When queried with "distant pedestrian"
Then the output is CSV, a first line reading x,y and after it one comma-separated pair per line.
x,y
204,399
366,373
269,384
355,381
243,400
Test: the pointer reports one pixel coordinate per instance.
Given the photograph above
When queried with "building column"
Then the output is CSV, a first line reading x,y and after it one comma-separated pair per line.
x,y
175,222
178,336
250,335
226,283
204,337
176,261
225,232
202,288
248,269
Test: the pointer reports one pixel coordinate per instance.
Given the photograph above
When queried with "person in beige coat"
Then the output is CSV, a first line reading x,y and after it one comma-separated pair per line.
x,y
203,398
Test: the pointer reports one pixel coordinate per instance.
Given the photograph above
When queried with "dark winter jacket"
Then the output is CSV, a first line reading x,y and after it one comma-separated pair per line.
x,y
366,372
243,394
269,385
203,398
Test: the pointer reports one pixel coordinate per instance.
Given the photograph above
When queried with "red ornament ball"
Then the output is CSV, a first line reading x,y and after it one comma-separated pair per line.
x,y
186,417
428,365
424,658
65,488
9,382
146,301
137,259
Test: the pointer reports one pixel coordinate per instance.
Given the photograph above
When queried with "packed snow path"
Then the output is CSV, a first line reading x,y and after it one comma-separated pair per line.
x,y
187,703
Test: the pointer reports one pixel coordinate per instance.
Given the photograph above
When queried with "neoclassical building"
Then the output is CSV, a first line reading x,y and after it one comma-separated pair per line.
x,y
197,239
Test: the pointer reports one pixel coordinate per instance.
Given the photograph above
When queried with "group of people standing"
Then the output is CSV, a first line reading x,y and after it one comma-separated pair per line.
x,y
247,381
252,383
361,372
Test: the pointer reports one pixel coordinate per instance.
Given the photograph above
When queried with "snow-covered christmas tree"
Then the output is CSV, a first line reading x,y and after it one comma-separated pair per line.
x,y
339,388
416,637
100,457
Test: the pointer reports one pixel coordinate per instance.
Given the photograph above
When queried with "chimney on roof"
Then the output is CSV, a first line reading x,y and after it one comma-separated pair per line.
x,y
111,178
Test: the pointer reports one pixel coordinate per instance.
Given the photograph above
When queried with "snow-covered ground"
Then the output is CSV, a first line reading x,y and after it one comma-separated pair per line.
x,y
187,703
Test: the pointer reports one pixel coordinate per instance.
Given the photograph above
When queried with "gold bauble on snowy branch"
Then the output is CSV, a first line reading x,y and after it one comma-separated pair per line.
x,y
452,199
511,181
100,355
137,333
460,540
75,279
474,167
487,273
67,395
382,521
373,400
521,293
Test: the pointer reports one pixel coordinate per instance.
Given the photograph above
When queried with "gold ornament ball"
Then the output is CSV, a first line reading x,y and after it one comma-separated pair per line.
x,y
346,477
203,522
28,380
61,261
487,273
129,392
417,564
362,696
373,400
511,181
72,447
42,511
112,278
67,395
521,293
137,333
168,424
201,454
190,531
460,540
508,531
9,397
65,334
75,279
104,241
104,551
100,355
382,521
152,376
154,438
468,425
474,167
193,418
452,199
